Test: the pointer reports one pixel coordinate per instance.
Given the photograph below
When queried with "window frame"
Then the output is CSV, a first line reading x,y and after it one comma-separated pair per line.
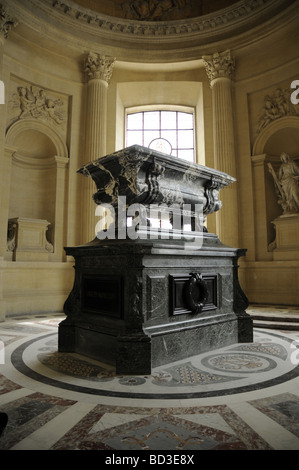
x,y
176,108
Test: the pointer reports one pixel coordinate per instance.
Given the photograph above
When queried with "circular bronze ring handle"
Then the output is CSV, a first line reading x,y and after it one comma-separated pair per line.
x,y
196,305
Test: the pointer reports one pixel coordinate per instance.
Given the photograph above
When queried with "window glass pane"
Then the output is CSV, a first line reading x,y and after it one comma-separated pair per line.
x,y
149,136
152,120
170,136
134,138
186,155
185,139
174,126
185,121
168,119
135,121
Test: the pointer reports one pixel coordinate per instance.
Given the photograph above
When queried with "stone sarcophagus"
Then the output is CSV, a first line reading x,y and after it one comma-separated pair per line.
x,y
154,286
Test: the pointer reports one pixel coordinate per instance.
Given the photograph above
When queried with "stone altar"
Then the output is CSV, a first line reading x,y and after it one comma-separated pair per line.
x,y
146,293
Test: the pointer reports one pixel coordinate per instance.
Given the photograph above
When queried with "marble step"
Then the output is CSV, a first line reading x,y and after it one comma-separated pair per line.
x,y
276,322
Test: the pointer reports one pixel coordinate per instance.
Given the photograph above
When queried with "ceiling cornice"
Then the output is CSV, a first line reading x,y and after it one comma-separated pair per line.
x,y
81,28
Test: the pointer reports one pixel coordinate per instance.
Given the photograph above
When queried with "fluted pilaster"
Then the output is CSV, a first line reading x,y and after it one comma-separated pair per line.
x,y
219,68
98,69
96,122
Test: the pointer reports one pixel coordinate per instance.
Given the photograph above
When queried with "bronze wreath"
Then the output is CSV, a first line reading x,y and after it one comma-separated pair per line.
x,y
196,304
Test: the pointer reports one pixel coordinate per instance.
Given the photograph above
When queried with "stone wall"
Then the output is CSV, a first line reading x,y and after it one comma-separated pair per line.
x,y
48,111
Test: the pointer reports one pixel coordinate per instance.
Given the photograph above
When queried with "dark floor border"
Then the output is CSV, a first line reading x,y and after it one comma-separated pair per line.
x,y
19,364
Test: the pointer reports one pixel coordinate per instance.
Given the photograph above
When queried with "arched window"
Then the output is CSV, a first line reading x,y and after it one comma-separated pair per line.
x,y
168,131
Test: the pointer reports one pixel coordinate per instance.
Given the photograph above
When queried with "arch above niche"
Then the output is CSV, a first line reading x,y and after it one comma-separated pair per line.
x,y
29,125
37,180
280,126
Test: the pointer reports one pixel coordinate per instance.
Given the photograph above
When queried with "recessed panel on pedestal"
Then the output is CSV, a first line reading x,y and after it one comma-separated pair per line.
x,y
102,295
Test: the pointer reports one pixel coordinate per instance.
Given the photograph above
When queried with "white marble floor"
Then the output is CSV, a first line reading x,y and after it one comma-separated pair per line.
x,y
242,397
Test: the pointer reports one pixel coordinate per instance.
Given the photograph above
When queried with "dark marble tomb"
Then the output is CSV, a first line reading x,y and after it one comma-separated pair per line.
x,y
145,301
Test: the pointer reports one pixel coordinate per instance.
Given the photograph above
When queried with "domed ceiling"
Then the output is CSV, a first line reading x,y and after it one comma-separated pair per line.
x,y
155,10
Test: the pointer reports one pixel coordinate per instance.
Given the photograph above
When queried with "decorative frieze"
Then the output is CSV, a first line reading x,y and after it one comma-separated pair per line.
x,y
219,65
276,105
32,102
136,26
152,10
98,66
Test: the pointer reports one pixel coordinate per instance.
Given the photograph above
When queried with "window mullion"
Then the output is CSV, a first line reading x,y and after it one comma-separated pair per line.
x,y
172,132
177,132
160,124
143,128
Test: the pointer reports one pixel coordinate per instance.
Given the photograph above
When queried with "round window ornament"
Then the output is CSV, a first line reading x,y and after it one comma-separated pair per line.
x,y
161,145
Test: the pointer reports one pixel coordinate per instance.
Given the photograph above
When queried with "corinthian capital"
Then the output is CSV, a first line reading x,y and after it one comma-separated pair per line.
x,y
219,65
6,21
99,66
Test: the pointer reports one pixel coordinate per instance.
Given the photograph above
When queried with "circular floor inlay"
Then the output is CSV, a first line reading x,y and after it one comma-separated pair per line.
x,y
237,362
234,369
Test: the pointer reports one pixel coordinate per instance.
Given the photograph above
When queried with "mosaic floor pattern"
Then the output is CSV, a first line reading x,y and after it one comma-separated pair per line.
x,y
241,397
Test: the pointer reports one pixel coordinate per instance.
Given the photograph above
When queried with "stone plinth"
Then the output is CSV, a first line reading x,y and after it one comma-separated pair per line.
x,y
287,237
27,239
151,295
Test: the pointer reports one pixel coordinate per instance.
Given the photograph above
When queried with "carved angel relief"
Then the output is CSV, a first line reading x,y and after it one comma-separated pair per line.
x,y
33,102
277,105
151,10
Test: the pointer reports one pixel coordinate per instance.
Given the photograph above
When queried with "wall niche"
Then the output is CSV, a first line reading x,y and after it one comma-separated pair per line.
x,y
281,136
37,192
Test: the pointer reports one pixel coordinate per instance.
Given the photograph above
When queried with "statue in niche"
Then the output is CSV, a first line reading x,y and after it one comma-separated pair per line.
x,y
34,103
287,184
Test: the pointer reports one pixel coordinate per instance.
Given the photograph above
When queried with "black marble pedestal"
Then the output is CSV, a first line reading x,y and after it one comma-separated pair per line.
x,y
138,305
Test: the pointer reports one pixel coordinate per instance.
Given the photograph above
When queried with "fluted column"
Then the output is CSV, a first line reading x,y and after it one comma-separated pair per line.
x,y
98,69
219,68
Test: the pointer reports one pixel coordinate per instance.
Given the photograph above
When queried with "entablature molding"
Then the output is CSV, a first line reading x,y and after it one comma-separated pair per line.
x,y
81,29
